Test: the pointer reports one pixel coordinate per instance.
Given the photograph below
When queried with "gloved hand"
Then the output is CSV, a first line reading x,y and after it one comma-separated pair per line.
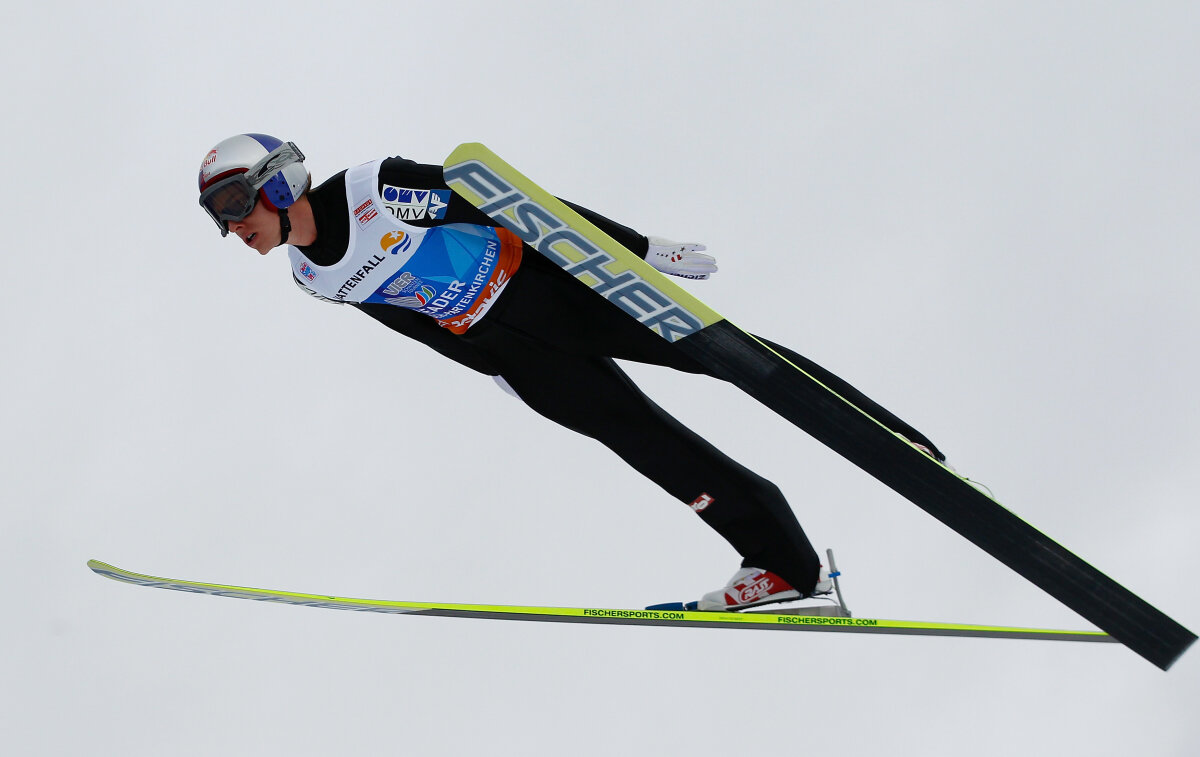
x,y
682,259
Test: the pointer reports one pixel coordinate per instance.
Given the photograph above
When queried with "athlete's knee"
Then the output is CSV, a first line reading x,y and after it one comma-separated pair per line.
x,y
759,490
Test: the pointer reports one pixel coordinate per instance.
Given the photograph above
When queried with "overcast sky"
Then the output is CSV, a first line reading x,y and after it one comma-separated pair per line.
x,y
982,214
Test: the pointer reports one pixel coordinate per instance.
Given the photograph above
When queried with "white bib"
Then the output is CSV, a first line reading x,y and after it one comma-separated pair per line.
x,y
444,271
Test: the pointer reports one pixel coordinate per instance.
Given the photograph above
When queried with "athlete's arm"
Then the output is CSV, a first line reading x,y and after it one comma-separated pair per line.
x,y
404,174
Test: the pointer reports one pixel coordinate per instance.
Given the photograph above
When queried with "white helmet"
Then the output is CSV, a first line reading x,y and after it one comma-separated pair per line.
x,y
246,168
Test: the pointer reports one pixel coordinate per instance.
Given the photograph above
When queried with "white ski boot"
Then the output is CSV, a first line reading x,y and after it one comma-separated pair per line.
x,y
751,587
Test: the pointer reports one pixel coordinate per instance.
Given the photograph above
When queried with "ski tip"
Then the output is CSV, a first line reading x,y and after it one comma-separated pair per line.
x,y
675,606
104,569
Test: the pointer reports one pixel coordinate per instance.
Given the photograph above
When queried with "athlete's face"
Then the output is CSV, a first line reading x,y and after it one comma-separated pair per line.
x,y
259,230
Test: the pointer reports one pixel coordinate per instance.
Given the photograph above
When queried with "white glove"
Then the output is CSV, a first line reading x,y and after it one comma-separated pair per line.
x,y
682,259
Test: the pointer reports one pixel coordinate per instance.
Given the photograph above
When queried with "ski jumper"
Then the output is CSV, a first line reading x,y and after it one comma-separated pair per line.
x,y
394,242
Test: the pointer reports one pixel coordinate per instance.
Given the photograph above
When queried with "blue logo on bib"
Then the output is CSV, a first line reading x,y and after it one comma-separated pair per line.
x,y
447,272
415,204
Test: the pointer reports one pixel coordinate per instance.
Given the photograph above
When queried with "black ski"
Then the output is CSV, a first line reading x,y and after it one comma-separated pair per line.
x,y
760,372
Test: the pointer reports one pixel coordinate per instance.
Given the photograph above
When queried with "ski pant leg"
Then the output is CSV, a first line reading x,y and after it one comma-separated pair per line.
x,y
594,397
585,323
855,397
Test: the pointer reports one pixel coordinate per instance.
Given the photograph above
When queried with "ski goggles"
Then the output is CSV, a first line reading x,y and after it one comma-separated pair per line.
x,y
234,197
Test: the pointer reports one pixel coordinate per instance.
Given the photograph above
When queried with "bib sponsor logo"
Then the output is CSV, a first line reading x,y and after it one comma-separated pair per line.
x,y
407,291
442,272
359,276
365,213
415,204
424,294
402,282
395,242
307,272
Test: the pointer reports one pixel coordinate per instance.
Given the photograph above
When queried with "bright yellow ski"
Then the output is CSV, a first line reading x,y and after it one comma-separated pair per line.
x,y
670,618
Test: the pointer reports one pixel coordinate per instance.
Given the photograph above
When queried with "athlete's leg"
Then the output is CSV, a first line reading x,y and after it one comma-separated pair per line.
x,y
548,304
593,396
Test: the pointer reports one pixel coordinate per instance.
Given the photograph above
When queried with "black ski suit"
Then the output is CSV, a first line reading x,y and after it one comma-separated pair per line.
x,y
546,330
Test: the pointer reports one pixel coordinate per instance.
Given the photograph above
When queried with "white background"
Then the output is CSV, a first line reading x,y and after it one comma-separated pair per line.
x,y
984,215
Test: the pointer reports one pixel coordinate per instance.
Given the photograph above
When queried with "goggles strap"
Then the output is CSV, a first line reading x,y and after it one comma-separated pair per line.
x,y
285,225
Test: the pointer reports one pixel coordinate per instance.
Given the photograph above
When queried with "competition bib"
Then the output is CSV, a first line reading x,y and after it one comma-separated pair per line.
x,y
451,273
